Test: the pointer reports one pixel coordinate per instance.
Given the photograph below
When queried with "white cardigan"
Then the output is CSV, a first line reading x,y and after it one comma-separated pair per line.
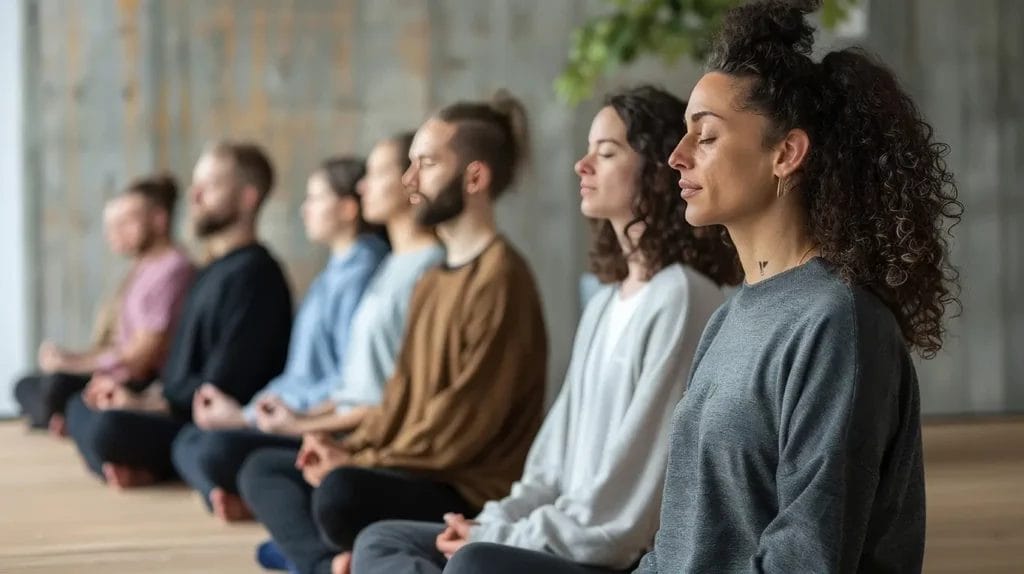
x,y
592,486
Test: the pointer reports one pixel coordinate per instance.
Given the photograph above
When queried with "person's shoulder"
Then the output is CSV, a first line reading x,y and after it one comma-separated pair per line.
x,y
678,287
371,249
503,261
178,260
847,310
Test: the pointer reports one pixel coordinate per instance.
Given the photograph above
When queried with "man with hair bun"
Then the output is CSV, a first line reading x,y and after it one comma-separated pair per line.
x,y
467,394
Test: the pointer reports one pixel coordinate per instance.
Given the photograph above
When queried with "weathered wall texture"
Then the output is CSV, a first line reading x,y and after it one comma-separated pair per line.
x,y
118,88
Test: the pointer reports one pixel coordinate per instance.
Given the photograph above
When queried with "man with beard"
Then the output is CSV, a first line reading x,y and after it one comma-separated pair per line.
x,y
137,225
233,332
466,398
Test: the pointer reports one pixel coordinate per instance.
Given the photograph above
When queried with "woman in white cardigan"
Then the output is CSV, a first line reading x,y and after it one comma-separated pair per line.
x,y
590,494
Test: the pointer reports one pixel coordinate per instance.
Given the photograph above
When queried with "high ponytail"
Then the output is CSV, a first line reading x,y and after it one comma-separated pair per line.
x,y
494,132
880,197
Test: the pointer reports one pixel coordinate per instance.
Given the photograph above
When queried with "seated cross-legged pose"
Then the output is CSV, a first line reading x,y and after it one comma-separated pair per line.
x,y
232,335
590,494
137,224
797,447
379,322
337,346
466,397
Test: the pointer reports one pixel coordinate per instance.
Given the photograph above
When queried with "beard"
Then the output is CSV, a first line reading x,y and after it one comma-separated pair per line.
x,y
448,204
145,244
209,224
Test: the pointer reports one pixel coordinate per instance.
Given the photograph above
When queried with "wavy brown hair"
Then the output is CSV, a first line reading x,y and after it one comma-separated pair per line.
x,y
655,123
881,200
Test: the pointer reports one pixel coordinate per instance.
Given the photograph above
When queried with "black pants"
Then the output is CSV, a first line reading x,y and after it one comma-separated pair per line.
x,y
212,459
141,440
312,525
43,395
403,547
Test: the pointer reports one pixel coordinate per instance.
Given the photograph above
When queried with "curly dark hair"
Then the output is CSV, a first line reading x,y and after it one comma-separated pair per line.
x,y
655,123
881,200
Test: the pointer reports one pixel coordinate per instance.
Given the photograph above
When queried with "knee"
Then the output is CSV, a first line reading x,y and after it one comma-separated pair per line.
x,y
258,471
106,432
210,450
25,388
376,539
337,505
76,409
475,557
390,537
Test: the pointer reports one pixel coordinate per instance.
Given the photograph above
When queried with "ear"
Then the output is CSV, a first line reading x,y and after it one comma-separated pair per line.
x,y
478,177
348,209
250,198
161,220
791,153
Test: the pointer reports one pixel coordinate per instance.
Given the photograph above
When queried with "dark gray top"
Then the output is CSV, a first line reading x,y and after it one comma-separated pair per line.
x,y
797,447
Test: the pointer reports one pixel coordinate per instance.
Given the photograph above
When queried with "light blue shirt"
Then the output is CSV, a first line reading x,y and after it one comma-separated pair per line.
x,y
378,327
322,328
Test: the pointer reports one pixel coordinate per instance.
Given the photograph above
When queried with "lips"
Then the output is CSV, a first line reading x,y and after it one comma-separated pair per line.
x,y
688,188
585,189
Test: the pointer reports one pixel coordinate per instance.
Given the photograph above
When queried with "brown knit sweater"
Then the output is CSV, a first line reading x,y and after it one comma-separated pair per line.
x,y
467,394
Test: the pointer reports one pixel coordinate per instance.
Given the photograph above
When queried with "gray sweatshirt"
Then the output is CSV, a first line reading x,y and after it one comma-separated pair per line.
x,y
797,448
592,485
378,326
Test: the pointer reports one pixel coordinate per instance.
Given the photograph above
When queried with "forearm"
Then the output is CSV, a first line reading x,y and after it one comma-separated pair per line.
x,y
331,421
84,363
325,408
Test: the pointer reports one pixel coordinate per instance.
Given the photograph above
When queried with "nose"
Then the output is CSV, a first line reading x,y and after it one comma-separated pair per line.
x,y
681,157
583,166
409,177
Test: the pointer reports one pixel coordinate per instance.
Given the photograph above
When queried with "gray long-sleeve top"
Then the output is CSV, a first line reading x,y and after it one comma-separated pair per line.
x,y
592,484
797,447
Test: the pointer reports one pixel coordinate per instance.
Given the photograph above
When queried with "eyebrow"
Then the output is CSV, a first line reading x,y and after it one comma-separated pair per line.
x,y
697,116
608,140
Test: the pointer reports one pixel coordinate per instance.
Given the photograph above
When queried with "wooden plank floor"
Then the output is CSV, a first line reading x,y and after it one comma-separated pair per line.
x,y
55,518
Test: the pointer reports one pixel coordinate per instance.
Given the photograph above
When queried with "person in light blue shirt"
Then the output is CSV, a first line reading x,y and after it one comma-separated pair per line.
x,y
332,216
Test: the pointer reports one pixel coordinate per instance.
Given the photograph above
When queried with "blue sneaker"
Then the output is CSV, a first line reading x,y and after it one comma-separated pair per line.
x,y
270,557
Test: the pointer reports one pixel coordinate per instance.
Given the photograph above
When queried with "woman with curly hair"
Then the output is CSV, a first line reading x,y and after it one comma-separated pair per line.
x,y
589,496
798,445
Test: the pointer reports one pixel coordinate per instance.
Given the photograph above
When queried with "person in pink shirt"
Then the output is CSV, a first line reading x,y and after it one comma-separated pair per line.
x,y
137,224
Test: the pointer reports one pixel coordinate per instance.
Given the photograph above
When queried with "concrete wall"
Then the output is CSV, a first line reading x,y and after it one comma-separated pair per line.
x,y
962,62
121,88
14,246
117,88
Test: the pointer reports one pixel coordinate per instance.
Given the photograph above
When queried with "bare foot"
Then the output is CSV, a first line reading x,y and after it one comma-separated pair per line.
x,y
58,426
121,476
342,564
229,507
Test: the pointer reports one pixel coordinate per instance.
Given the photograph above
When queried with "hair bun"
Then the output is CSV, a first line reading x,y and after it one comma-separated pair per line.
x,y
768,25
512,108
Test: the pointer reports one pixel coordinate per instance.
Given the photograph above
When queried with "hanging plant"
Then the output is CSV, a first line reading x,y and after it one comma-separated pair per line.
x,y
666,28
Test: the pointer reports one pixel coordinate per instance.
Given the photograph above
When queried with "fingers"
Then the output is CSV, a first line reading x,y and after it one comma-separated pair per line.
x,y
458,524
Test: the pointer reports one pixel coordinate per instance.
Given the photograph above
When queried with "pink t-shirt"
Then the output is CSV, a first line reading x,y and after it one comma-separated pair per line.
x,y
151,302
